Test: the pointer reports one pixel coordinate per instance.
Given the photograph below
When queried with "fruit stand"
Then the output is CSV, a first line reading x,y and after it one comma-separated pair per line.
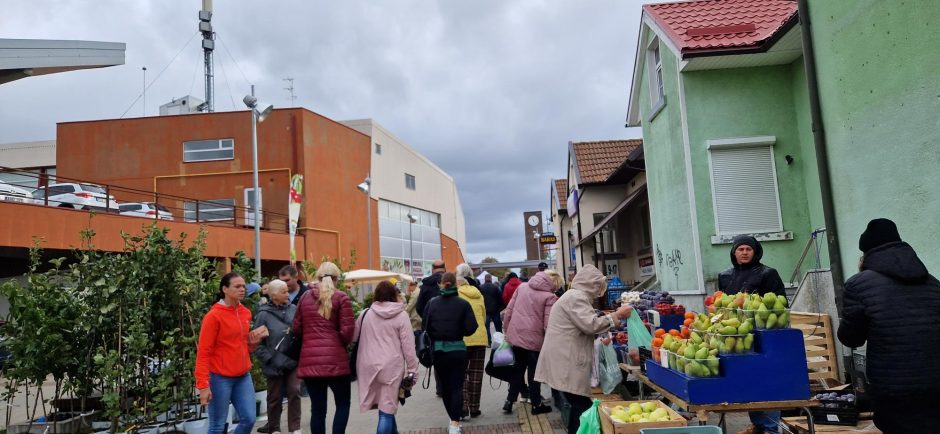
x,y
741,355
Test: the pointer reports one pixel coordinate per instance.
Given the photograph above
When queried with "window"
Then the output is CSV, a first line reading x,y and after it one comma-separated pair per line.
x,y
607,234
378,149
250,206
654,62
130,207
209,210
744,186
208,150
409,181
645,221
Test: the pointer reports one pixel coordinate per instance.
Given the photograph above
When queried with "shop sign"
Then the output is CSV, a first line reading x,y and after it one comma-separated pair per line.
x,y
646,266
548,238
612,269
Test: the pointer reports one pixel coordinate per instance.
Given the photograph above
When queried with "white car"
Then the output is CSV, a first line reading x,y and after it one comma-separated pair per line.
x,y
12,193
146,209
77,196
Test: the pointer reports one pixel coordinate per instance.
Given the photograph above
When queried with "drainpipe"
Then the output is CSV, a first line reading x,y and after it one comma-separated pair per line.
x,y
822,160
581,246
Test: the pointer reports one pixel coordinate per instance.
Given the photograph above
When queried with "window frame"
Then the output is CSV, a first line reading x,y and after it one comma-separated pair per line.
x,y
414,182
209,201
654,67
378,148
766,142
219,148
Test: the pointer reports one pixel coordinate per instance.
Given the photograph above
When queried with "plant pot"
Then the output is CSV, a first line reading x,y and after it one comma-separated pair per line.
x,y
59,422
262,399
196,426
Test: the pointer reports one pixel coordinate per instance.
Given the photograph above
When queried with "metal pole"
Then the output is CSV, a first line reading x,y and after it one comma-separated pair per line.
x,y
411,247
254,178
145,91
369,216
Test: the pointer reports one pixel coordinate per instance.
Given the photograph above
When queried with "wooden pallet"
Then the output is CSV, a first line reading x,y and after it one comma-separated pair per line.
x,y
819,340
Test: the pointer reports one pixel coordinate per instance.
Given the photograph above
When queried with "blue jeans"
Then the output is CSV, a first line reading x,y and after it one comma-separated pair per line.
x,y
768,421
240,392
387,424
316,387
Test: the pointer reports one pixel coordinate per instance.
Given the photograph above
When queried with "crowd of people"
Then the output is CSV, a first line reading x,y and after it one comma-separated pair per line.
x,y
303,334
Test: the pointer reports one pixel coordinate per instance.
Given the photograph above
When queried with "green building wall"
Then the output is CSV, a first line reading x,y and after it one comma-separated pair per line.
x,y
879,84
667,184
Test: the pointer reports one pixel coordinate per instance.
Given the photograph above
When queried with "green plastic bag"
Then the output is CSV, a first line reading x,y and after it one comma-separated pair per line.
x,y
639,336
590,422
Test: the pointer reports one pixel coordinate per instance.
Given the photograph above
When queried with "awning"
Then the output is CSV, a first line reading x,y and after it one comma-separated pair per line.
x,y
613,214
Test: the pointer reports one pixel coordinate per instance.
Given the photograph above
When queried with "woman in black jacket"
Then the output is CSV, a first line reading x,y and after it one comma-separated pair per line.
x,y
894,305
448,319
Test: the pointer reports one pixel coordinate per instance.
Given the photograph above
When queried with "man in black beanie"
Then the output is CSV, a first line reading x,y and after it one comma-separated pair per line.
x,y
893,304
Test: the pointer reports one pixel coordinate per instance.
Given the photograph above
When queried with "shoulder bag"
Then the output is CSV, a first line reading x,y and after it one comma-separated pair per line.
x,y
354,349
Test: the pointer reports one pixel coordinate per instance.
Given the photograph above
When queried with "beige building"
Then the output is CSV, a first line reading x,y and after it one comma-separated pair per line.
x,y
37,158
606,212
405,182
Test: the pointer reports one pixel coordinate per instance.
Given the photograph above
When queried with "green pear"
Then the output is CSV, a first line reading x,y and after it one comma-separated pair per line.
x,y
729,344
782,300
713,352
728,330
763,312
778,306
759,321
734,322
689,353
688,368
749,342
701,354
783,320
739,346
745,328
696,338
770,299
772,321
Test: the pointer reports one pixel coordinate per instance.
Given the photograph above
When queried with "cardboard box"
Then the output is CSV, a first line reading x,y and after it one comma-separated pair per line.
x,y
609,426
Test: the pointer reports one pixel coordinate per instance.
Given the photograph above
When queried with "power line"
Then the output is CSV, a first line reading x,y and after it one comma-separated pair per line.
x,y
228,85
158,75
225,47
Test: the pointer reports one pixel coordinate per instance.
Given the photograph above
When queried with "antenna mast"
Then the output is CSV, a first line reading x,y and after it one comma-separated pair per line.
x,y
208,46
290,88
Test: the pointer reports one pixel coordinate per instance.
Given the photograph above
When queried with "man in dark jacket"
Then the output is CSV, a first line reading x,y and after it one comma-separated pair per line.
x,y
295,287
493,300
894,305
430,286
747,274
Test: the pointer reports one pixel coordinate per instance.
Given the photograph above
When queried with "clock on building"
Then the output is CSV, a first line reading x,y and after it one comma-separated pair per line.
x,y
533,220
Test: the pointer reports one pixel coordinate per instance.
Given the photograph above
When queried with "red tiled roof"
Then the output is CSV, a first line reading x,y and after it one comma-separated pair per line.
x,y
715,25
596,161
561,193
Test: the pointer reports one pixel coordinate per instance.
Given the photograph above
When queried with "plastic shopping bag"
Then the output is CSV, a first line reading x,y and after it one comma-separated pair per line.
x,y
639,336
608,369
595,375
590,422
503,356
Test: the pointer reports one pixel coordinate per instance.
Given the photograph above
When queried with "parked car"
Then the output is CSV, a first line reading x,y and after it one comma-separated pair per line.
x,y
146,209
12,193
77,196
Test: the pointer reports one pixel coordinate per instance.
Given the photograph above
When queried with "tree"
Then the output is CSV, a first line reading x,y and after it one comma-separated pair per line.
x,y
500,273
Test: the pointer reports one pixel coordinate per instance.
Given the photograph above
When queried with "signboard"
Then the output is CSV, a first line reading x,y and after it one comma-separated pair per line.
x,y
646,266
612,269
548,238
293,209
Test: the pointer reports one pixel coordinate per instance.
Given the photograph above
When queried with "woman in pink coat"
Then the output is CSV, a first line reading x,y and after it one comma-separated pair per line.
x,y
525,320
386,355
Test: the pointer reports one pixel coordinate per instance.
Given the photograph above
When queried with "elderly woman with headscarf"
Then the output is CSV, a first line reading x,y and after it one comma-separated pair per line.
x,y
565,360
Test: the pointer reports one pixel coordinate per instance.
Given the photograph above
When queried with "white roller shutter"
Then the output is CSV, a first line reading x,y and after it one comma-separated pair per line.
x,y
744,187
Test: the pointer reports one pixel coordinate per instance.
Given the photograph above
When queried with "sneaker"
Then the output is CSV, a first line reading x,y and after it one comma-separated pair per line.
x,y
507,407
541,409
454,429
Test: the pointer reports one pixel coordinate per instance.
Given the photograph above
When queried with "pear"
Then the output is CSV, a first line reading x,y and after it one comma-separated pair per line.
x,y
783,320
728,330
729,344
690,370
696,338
778,306
745,328
649,406
734,322
635,408
739,346
760,322
772,321
769,300
713,352
712,363
763,312
749,342
782,300
689,353
702,353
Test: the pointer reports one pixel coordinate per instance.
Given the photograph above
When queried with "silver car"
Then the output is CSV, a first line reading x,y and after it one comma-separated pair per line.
x,y
146,209
12,193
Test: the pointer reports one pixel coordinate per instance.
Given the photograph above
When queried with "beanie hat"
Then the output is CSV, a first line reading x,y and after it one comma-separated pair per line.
x,y
879,232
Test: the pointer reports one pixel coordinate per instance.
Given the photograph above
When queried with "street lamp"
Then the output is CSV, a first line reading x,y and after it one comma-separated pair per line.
x,y
365,187
411,244
259,112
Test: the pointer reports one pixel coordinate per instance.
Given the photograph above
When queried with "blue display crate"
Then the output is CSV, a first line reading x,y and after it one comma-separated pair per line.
x,y
777,372
671,322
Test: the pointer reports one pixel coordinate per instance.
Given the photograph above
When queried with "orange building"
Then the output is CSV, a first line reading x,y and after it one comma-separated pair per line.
x,y
199,166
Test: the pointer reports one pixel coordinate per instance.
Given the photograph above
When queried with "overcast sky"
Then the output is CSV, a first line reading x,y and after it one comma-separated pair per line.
x,y
490,90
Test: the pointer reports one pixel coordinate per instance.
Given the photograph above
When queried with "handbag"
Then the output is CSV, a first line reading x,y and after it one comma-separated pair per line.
x,y
290,342
424,348
503,373
354,349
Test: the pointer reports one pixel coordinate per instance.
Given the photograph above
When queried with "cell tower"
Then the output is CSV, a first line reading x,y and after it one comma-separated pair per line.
x,y
208,46
290,88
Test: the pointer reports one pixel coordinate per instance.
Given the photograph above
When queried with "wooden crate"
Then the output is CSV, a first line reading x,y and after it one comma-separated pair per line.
x,y
608,426
819,339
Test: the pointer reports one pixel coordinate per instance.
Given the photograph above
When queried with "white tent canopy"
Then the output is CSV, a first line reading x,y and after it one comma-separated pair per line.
x,y
373,276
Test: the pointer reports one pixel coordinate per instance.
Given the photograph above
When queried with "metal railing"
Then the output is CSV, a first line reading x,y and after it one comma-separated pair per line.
x,y
153,205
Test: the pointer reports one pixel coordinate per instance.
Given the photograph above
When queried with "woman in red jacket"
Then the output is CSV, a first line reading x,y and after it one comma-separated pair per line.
x,y
223,360
324,321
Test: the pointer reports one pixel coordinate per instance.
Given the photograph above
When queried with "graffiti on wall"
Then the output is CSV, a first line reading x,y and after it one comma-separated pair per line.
x,y
671,260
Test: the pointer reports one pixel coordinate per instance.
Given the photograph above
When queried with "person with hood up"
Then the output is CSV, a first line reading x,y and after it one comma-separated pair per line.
x,y
893,303
476,343
279,369
386,355
526,319
430,286
223,357
325,324
568,350
448,319
512,282
748,274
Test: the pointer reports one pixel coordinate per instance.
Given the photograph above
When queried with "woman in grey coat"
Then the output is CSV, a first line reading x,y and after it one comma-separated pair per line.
x,y
280,370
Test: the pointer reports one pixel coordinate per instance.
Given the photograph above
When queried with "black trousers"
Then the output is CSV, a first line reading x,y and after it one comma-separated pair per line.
x,y
526,361
579,404
451,368
906,415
